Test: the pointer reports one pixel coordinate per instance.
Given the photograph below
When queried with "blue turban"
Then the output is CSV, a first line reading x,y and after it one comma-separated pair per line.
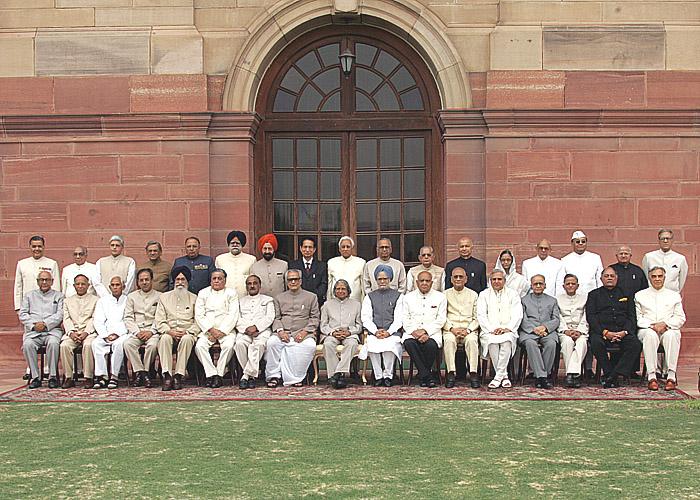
x,y
383,268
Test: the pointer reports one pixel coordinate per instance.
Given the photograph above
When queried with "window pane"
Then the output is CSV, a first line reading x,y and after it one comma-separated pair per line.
x,y
366,185
306,153
385,63
363,103
307,217
390,150
306,185
365,54
412,100
330,217
283,185
386,99
402,79
285,246
330,186
329,54
390,217
329,80
413,152
284,102
293,80
310,99
412,244
282,156
414,216
332,103
366,216
391,184
329,246
414,183
366,153
309,64
367,80
395,244
330,153
284,217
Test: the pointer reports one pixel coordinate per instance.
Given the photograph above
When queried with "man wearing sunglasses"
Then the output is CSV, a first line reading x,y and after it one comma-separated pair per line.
x,y
80,265
674,263
586,266
543,263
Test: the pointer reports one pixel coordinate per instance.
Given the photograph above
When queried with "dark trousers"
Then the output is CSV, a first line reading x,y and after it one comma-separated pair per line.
x,y
422,355
627,359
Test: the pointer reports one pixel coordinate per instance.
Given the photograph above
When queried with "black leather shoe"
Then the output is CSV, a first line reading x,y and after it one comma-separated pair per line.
x,y
569,380
379,382
543,383
342,383
611,383
474,382
424,383
167,382
450,381
147,381
333,381
577,382
431,383
388,382
177,382
216,382
243,383
35,383
138,379
53,383
251,383
26,376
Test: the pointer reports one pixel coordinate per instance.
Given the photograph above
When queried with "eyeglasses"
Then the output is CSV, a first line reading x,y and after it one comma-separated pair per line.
x,y
543,248
666,238
44,279
539,283
580,242
293,279
78,254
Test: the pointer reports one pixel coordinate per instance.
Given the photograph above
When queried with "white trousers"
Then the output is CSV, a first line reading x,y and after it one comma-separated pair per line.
x,y
573,352
500,356
376,358
101,347
670,339
202,350
289,360
250,351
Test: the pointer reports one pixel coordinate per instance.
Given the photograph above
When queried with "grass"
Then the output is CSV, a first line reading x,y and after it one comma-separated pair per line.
x,y
359,449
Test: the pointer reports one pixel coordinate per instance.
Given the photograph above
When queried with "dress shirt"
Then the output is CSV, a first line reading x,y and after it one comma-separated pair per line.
x,y
38,306
71,271
539,310
337,314
78,311
437,272
499,309
26,274
424,311
350,270
461,309
296,311
271,274
108,267
398,282
237,269
552,269
140,311
217,309
258,310
654,306
109,316
161,273
475,269
674,263
175,311
201,268
587,267
572,309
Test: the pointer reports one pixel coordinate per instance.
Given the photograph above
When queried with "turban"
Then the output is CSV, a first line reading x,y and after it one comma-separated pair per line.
x,y
383,268
184,270
236,234
267,238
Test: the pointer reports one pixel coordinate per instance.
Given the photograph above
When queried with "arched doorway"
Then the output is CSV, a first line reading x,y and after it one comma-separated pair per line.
x,y
357,154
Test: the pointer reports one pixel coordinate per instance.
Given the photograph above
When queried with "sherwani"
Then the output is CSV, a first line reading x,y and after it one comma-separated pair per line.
x,y
540,310
572,310
654,306
552,269
161,273
475,269
295,311
78,312
383,308
258,310
461,313
398,282
27,272
437,272
350,270
108,267
36,307
140,315
237,269
201,268
335,315
216,309
109,319
271,274
587,267
499,309
175,312
71,271
428,312
674,263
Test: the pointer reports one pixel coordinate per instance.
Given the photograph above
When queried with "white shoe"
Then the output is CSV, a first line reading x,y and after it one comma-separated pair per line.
x,y
506,383
494,384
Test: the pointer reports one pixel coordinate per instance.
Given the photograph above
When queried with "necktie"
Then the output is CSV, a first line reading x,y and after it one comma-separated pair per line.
x,y
308,267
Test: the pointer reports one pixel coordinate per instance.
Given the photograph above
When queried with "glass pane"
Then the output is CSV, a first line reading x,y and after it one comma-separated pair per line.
x,y
367,80
306,153
391,184
366,153
286,246
412,244
284,102
366,216
413,152
329,246
329,80
282,156
329,54
414,183
390,150
309,64
330,153
332,103
386,99
414,215
307,217
363,103
284,217
283,185
293,80
412,100
309,100
364,54
386,63
330,217
330,186
306,185
367,185
402,79
395,244
390,217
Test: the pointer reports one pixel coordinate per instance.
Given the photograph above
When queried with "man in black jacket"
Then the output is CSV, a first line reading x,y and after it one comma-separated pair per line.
x,y
314,273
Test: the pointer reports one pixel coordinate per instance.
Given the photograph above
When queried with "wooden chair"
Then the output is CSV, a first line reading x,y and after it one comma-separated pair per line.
x,y
659,352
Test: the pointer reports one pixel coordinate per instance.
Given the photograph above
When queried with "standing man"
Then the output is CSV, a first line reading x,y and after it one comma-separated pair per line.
x,y
660,317
41,313
543,263
585,265
80,265
111,334
314,273
78,311
269,269
476,269
140,320
200,266
348,267
630,277
674,263
426,256
424,313
254,322
161,268
235,262
115,264
573,330
398,281
28,271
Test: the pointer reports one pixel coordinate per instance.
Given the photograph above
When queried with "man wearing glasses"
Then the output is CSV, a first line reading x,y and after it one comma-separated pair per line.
x,y
585,265
543,263
80,265
426,256
674,263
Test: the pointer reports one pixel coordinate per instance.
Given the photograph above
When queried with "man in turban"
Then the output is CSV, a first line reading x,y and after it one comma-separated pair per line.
x,y
269,269
235,262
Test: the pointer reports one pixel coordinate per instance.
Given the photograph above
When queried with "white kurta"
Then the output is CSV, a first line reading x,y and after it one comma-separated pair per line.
x,y
674,263
216,309
587,267
552,269
71,271
258,310
390,344
572,311
424,311
26,273
437,272
397,283
350,270
109,316
498,309
237,269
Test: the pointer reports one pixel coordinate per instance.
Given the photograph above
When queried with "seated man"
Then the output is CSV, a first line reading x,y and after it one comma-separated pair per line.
x,y
573,330
111,334
291,349
216,313
424,313
499,312
257,312
382,316
340,325
41,314
78,310
140,320
176,325
538,330
660,317
461,327
612,322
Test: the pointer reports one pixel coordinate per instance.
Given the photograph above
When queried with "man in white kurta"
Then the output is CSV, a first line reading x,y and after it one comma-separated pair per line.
x,y
347,267
80,265
424,314
111,334
586,266
28,270
115,264
499,312
573,330
257,312
543,263
674,263
216,313
235,262
398,282
660,317
78,312
461,327
426,256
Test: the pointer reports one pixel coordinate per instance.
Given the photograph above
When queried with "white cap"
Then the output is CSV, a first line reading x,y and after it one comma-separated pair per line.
x,y
578,234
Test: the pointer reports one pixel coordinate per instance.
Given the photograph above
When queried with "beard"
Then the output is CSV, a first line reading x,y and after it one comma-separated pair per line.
x,y
235,250
268,256
181,291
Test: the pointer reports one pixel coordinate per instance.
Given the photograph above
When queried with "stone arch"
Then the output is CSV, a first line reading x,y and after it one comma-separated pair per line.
x,y
288,19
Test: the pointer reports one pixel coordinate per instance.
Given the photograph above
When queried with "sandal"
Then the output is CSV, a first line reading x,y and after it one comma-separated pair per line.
x,y
298,384
505,383
100,383
113,383
273,382
494,384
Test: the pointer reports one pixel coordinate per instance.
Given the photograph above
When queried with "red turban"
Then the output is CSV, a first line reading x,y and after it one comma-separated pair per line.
x,y
267,238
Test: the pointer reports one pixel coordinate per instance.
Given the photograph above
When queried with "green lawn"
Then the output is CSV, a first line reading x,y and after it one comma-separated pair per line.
x,y
363,449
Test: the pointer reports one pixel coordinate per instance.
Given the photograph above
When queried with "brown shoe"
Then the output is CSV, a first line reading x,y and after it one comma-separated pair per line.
x,y
167,382
653,385
670,385
68,383
177,382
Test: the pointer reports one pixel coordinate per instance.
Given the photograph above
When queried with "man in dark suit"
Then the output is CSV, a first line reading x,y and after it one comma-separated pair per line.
x,y
314,273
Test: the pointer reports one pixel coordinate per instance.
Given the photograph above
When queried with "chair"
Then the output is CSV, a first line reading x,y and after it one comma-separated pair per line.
x,y
42,358
659,352
437,368
553,371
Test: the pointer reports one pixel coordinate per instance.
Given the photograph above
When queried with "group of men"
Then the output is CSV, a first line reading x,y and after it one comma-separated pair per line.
x,y
281,311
